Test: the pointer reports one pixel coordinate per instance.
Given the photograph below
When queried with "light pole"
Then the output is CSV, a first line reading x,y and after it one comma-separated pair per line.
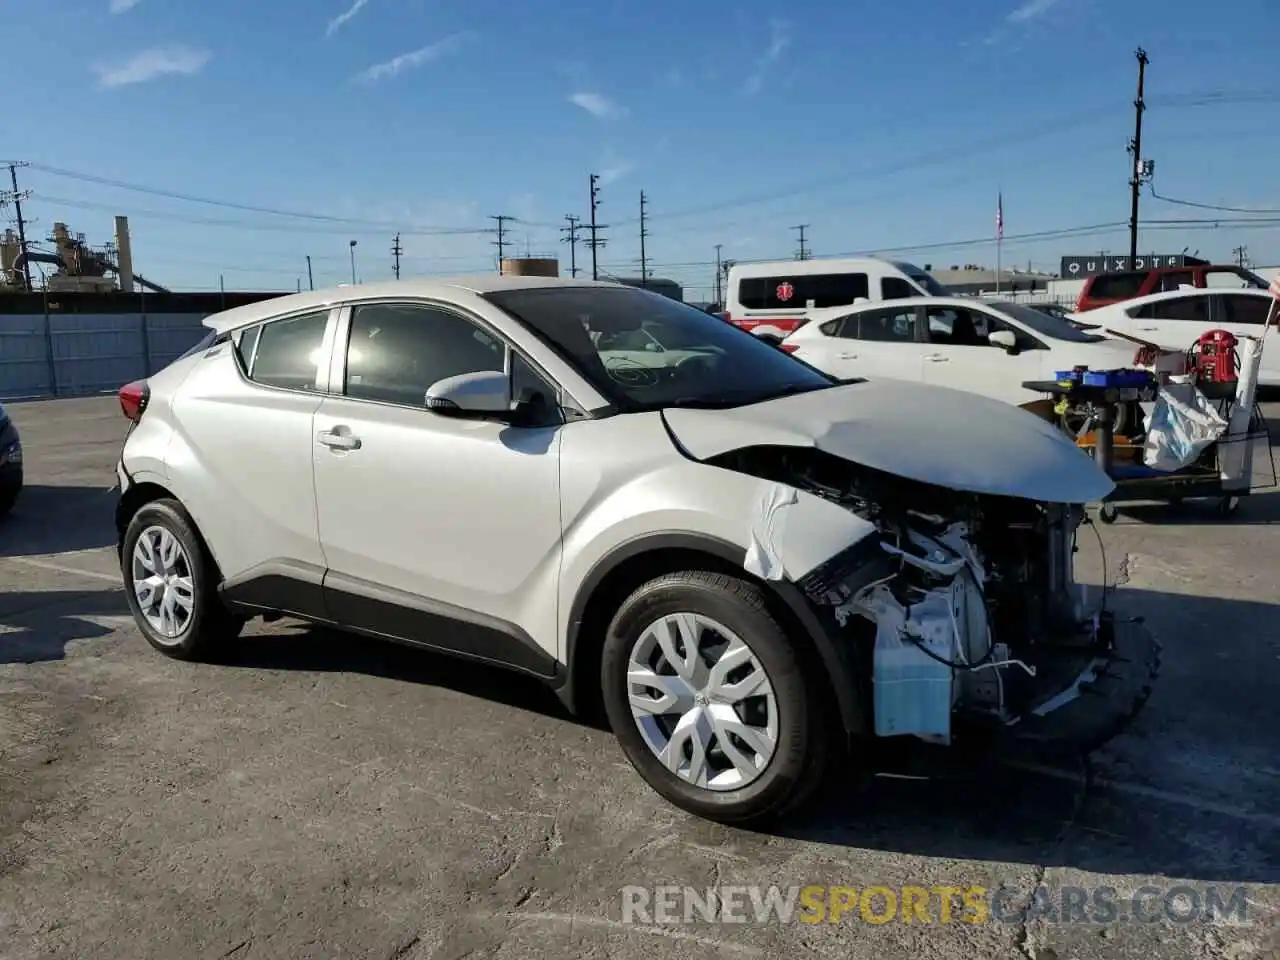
x,y
353,262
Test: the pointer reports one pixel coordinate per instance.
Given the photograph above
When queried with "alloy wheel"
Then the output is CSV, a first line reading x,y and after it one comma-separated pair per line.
x,y
162,583
702,701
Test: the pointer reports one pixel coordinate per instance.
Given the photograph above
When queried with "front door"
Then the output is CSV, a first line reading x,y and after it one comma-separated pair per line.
x,y
441,531
961,356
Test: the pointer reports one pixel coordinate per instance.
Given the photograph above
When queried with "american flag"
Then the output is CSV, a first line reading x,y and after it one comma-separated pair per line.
x,y
999,216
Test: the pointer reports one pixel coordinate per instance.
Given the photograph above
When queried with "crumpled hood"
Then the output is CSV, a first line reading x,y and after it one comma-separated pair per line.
x,y
932,434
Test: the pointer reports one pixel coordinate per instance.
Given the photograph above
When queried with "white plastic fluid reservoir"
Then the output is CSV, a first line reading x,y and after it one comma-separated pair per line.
x,y
913,692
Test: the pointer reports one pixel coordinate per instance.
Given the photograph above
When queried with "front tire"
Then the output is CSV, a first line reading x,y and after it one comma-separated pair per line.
x,y
737,731
171,584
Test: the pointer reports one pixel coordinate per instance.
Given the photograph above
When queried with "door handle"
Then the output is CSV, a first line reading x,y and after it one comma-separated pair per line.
x,y
846,356
937,358
338,441
1148,329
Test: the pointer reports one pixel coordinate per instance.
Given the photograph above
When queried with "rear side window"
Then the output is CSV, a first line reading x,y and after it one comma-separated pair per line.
x,y
246,341
796,293
1193,309
288,352
1117,286
898,326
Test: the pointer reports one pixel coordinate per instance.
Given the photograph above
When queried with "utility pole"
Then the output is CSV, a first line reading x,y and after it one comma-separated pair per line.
x,y
644,260
717,294
396,250
1140,166
17,196
1242,255
501,242
571,238
803,252
595,243
311,283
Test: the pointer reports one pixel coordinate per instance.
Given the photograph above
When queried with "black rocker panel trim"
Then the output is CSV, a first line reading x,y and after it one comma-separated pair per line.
x,y
396,615
278,586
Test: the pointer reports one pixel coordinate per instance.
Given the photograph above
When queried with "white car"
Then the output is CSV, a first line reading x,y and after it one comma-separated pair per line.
x,y
1177,318
982,346
753,566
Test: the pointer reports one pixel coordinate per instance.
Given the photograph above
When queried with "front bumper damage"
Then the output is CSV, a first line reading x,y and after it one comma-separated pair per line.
x,y
953,648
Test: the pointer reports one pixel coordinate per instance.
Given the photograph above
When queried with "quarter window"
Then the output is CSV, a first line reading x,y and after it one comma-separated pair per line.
x,y
288,353
395,352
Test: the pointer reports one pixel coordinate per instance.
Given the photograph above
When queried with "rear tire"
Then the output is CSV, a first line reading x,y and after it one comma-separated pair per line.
x,y
773,717
7,499
171,584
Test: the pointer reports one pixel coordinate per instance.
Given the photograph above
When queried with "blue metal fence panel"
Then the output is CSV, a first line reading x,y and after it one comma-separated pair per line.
x,y
25,368
77,354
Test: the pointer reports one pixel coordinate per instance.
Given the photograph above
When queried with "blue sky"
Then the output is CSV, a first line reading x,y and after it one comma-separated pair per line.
x,y
882,126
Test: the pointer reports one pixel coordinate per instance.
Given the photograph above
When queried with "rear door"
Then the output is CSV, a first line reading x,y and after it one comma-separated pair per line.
x,y
1175,323
886,342
960,355
246,416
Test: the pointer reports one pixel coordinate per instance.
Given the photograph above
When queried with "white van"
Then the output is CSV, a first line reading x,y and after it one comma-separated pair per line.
x,y
775,297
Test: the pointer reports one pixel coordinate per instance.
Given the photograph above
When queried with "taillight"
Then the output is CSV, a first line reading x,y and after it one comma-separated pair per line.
x,y
133,399
788,347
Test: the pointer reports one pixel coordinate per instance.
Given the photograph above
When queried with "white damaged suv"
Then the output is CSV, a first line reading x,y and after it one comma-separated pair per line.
x,y
754,566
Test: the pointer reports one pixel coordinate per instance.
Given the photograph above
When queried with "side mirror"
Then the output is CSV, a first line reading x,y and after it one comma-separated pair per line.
x,y
482,395
1003,339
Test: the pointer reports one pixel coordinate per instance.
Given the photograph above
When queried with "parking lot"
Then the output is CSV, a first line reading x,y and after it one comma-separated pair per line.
x,y
329,796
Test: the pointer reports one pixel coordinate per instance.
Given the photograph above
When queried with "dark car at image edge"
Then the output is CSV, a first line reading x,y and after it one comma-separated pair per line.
x,y
10,463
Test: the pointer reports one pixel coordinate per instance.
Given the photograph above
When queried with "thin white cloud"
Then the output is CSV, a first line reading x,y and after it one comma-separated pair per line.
x,y
596,104
336,23
151,64
615,170
1031,10
779,40
122,6
414,58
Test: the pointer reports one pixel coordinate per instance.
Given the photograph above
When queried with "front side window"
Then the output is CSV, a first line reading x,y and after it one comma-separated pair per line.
x,y
1176,280
1242,308
396,352
288,352
1190,309
1117,286
686,358
895,288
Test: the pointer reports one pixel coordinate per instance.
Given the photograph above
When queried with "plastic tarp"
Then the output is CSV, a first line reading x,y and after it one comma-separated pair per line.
x,y
1181,427
1235,457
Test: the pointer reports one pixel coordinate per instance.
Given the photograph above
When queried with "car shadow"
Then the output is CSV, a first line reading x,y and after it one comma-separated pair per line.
x,y
56,519
39,625
1201,754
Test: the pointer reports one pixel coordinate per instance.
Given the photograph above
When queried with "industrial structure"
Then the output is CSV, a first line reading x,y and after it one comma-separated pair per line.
x,y
76,266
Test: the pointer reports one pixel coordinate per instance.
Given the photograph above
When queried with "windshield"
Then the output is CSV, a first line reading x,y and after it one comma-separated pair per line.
x,y
645,351
1253,281
1046,325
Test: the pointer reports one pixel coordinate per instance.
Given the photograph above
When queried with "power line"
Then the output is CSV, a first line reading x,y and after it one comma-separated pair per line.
x,y
396,250
228,204
501,242
1214,206
644,260
596,242
571,238
803,252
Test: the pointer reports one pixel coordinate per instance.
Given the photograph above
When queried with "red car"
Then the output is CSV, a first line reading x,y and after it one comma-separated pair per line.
x,y
1106,288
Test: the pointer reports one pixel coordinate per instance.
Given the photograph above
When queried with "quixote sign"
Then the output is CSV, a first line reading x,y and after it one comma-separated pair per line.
x,y
1095,264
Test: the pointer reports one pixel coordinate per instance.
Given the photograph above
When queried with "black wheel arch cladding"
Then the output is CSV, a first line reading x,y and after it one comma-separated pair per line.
x,y
646,554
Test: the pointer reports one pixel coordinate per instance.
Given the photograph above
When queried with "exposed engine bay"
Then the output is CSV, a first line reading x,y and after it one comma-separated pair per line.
x,y
963,611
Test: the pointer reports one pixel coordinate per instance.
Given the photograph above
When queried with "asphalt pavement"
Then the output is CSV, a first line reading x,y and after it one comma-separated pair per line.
x,y
323,795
